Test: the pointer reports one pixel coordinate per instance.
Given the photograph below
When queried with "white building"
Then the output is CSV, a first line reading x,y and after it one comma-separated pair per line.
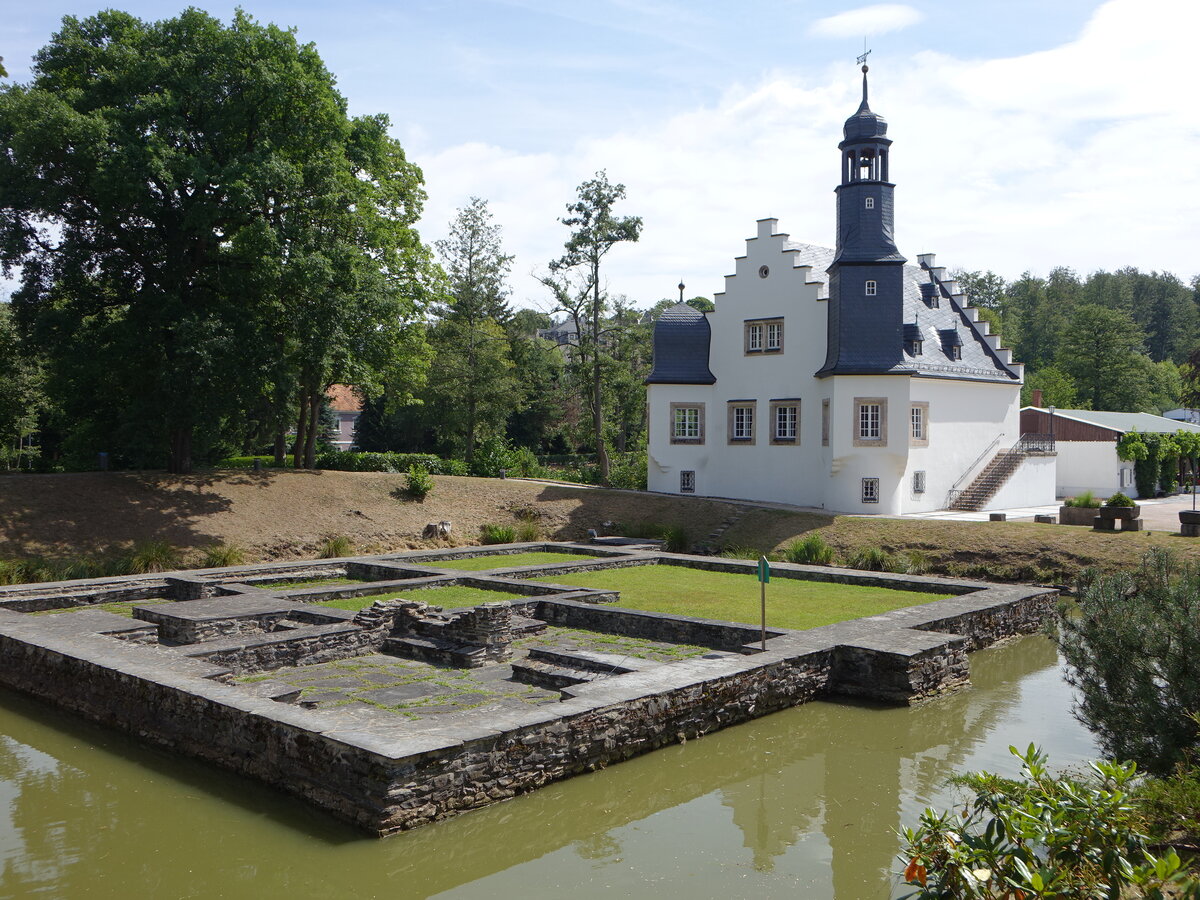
x,y
1086,442
843,379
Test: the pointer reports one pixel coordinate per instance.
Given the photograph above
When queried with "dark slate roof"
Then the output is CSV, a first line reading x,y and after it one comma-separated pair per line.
x,y
864,124
681,340
978,360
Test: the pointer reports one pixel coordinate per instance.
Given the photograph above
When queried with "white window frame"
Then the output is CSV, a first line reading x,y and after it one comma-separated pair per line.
x,y
774,336
754,338
870,411
741,423
687,423
787,414
918,422
870,490
872,289
870,203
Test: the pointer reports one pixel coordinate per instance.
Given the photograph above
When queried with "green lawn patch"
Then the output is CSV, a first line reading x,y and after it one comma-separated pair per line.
x,y
450,597
306,583
504,560
120,607
791,603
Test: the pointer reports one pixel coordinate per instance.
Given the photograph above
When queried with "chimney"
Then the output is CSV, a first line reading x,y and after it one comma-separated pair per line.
x,y
1037,397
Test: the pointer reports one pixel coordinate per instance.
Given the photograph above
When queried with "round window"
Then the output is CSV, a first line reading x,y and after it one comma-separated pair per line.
x,y
763,271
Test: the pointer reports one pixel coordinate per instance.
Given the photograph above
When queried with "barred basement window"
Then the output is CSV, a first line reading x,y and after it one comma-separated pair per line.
x,y
918,482
870,289
687,482
870,490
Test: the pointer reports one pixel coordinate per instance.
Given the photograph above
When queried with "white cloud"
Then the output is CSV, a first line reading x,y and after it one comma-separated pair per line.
x,y
1081,155
866,20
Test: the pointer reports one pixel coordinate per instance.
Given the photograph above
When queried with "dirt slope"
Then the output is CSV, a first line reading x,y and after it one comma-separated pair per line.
x,y
285,514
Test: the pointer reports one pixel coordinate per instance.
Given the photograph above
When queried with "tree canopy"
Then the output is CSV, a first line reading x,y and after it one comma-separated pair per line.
x,y
201,230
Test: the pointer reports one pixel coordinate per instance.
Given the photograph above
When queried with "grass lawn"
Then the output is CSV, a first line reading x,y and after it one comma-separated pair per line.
x,y
504,560
735,598
306,583
451,597
120,607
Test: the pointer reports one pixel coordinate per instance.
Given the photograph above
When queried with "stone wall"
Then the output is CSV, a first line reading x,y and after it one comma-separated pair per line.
x,y
302,647
651,626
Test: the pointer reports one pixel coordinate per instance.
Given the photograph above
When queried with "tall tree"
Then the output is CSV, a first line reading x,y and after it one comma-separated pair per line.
x,y
1102,351
473,373
189,204
21,394
595,232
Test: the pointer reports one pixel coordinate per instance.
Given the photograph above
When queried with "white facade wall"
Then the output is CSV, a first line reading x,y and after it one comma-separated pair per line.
x,y
1092,466
967,421
1031,485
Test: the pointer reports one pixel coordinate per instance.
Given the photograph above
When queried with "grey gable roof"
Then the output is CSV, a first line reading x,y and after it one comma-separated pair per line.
x,y
681,341
1147,423
978,360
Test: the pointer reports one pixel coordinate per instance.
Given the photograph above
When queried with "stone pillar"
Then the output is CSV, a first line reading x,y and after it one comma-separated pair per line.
x,y
187,587
490,627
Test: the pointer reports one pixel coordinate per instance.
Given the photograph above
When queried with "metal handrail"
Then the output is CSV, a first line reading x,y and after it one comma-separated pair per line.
x,y
1027,443
978,460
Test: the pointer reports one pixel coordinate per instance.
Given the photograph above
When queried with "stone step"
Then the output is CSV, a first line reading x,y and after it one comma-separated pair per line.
x,y
523,625
434,650
587,661
548,675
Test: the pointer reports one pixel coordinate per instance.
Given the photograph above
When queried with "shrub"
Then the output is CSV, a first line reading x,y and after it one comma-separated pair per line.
x,y
675,539
628,471
247,462
811,550
738,552
1171,805
1086,500
353,461
1041,836
528,531
525,464
497,534
871,559
914,562
153,556
336,547
418,483
220,555
1118,499
491,456
1131,652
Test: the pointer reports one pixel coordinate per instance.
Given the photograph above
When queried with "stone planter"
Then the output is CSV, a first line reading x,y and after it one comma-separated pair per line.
x,y
1112,513
1189,523
1077,515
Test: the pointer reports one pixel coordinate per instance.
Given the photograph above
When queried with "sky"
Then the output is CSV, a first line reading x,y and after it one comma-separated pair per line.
x,y
1028,133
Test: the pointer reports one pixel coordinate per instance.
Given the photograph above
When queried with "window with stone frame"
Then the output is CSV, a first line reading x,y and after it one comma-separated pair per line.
x,y
870,490
741,421
687,423
785,421
918,428
764,335
870,421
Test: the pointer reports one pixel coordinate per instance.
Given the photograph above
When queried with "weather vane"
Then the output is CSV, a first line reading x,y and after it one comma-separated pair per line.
x,y
862,60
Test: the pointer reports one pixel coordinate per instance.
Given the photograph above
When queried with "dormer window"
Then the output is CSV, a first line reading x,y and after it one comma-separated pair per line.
x,y
952,343
913,339
870,203
870,289
930,295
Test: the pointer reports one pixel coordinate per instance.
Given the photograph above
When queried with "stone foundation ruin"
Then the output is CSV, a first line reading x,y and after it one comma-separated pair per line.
x,y
208,664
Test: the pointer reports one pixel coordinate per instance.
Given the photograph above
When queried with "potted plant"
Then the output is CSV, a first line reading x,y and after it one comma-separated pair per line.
x,y
1078,510
1119,506
1190,516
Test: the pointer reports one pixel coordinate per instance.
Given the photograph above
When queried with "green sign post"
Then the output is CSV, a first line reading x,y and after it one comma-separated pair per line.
x,y
764,575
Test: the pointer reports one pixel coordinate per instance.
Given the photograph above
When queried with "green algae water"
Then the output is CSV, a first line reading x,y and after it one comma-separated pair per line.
x,y
801,804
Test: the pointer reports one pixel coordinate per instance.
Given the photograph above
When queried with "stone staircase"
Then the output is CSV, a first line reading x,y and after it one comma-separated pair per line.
x,y
554,669
713,541
996,473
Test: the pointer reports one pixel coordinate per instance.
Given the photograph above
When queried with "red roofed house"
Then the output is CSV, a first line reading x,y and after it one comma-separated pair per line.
x,y
346,405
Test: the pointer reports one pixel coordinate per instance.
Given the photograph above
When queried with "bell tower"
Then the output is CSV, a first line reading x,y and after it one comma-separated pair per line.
x,y
866,279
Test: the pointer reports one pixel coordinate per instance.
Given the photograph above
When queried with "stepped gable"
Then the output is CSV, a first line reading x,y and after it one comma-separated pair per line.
x,y
681,340
978,362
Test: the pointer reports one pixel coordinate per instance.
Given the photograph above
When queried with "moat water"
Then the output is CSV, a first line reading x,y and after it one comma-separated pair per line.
x,y
801,804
